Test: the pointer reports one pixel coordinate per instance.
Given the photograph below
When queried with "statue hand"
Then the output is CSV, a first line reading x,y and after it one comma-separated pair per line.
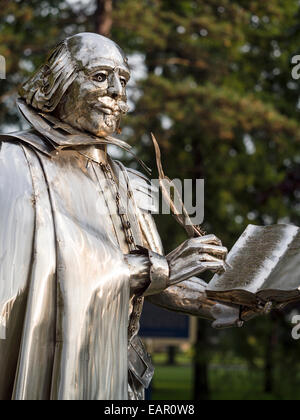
x,y
195,256
150,273
230,315
226,316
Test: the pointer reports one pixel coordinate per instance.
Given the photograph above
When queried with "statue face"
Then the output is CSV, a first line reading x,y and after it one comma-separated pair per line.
x,y
96,100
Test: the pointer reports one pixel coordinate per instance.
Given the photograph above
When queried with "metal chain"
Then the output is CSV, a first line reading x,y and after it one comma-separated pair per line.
x,y
121,210
137,301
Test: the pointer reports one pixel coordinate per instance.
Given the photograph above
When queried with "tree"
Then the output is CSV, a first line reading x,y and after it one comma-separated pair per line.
x,y
219,96
28,31
104,17
217,92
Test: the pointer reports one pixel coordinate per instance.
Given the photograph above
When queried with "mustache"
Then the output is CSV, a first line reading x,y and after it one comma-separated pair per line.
x,y
111,106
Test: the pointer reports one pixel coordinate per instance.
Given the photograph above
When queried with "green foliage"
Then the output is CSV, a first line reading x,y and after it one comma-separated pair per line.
x,y
219,96
229,376
220,72
28,31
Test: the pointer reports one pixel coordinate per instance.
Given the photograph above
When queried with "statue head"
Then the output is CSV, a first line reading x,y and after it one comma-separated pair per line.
x,y
83,83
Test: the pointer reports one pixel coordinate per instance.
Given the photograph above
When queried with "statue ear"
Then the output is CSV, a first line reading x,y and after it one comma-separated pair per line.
x,y
46,87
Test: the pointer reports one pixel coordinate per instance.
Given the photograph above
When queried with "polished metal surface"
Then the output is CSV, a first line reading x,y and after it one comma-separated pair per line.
x,y
159,274
71,293
84,82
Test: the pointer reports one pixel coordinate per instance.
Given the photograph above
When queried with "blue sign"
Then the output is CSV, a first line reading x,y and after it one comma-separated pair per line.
x,y
157,322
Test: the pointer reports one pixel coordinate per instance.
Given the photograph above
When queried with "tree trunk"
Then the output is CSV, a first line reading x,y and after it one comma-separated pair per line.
x,y
269,366
172,350
201,386
271,343
201,361
104,17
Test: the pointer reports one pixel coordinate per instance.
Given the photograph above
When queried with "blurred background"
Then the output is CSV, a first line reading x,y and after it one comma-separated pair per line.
x,y
212,79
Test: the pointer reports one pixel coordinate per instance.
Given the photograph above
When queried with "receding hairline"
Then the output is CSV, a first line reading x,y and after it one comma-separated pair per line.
x,y
45,88
87,47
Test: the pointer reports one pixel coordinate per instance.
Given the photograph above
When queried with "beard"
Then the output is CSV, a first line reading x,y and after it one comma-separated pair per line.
x,y
101,125
110,121
100,117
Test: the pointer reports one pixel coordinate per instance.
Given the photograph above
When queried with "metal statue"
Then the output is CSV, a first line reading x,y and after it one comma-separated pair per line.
x,y
75,267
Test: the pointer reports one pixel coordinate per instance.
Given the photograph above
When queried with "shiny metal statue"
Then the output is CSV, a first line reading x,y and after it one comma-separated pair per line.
x,y
74,266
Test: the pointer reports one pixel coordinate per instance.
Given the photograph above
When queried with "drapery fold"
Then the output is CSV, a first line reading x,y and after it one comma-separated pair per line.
x,y
67,326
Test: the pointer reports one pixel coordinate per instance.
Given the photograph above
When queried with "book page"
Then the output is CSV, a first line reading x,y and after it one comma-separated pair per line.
x,y
286,275
254,257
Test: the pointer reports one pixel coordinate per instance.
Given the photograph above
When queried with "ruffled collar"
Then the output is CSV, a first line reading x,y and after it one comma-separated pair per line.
x,y
61,135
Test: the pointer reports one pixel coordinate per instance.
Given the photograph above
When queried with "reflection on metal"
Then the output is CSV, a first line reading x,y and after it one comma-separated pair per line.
x,y
71,293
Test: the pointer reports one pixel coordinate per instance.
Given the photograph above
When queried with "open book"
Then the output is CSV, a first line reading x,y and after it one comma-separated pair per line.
x,y
265,267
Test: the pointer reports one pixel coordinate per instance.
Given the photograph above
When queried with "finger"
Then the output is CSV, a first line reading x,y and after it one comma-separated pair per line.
x,y
185,269
208,258
207,239
215,267
219,251
192,247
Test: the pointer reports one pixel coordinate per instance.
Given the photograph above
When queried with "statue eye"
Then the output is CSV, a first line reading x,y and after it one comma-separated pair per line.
x,y
123,82
100,77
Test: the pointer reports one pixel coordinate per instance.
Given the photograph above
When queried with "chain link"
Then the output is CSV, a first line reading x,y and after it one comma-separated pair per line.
x,y
137,302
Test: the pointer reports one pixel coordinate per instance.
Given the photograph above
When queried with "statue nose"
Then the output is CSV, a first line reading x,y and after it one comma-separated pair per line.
x,y
115,89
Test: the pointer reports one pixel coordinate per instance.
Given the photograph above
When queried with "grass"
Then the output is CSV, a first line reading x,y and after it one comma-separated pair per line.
x,y
227,382
172,383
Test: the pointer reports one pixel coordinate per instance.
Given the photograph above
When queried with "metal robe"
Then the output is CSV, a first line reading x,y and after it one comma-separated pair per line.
x,y
74,339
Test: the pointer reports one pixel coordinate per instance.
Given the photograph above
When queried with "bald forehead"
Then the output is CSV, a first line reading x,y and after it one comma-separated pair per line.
x,y
92,50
